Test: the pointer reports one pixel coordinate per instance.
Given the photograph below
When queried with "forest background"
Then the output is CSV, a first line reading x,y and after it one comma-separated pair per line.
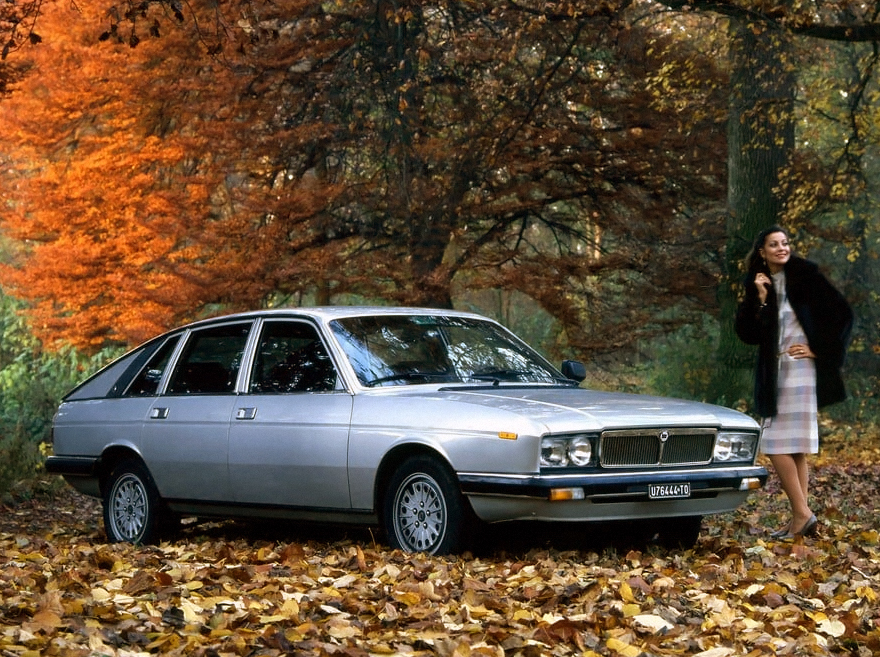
x,y
590,173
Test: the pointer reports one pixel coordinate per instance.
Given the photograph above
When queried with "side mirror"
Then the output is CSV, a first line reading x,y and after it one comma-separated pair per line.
x,y
574,370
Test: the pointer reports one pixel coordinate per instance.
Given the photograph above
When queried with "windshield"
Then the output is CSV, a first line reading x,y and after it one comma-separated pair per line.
x,y
403,349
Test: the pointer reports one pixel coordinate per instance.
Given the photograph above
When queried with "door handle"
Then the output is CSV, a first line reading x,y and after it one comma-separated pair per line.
x,y
246,414
158,413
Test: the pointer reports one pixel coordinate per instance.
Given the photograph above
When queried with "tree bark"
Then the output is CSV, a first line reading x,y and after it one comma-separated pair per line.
x,y
760,142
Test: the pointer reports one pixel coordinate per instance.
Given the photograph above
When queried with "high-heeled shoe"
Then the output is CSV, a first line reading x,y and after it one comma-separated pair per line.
x,y
810,527
779,533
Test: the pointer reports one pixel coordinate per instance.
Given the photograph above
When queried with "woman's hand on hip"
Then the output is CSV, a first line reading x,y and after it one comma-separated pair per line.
x,y
800,351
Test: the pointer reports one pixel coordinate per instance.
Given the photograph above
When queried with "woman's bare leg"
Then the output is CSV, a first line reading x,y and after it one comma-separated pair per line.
x,y
793,474
803,468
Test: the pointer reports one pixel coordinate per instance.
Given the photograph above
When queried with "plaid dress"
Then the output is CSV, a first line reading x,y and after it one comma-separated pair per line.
x,y
794,429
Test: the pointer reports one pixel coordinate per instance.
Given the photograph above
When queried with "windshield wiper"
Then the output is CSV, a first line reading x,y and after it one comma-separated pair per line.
x,y
409,376
497,376
501,375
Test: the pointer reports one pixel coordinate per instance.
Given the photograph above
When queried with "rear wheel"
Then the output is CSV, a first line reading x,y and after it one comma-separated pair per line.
x,y
133,510
424,510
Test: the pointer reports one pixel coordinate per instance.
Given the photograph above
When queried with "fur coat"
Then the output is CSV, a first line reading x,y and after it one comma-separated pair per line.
x,y
823,313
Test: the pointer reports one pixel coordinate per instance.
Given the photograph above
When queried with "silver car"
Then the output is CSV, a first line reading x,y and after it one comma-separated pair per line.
x,y
424,422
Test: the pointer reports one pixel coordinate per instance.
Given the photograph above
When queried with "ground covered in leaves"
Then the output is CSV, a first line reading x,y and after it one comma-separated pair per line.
x,y
234,589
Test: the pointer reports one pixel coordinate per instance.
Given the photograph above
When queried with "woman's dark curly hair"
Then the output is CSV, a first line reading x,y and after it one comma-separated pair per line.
x,y
754,262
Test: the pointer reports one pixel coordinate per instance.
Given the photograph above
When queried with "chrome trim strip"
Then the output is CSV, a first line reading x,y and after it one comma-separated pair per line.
x,y
732,470
602,496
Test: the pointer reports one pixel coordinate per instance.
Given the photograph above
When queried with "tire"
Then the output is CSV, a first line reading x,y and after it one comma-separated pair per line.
x,y
133,510
424,510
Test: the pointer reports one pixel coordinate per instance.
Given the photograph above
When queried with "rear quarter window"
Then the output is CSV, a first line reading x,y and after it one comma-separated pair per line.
x,y
106,382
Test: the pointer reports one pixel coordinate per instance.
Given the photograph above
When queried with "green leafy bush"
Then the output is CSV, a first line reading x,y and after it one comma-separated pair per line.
x,y
682,364
32,382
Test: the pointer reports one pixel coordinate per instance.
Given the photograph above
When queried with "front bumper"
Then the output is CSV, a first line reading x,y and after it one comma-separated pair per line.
x,y
608,495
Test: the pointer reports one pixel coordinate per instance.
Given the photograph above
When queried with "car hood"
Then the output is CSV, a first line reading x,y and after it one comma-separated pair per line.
x,y
579,409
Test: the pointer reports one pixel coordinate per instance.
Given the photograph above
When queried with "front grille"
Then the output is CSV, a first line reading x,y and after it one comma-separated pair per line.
x,y
656,447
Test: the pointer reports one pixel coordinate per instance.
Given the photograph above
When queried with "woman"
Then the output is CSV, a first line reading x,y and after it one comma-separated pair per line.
x,y
801,325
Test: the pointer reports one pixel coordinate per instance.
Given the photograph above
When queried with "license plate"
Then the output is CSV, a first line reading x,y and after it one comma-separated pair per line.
x,y
668,491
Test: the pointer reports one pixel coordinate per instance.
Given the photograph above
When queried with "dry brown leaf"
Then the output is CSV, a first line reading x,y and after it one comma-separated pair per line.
x,y
223,590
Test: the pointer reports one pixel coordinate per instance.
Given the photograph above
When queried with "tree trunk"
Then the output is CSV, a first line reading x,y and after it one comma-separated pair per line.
x,y
760,143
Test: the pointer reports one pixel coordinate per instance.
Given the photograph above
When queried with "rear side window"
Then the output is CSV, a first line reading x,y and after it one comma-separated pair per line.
x,y
146,383
210,360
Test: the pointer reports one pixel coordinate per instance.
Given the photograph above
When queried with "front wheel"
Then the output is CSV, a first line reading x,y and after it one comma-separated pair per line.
x,y
424,510
133,510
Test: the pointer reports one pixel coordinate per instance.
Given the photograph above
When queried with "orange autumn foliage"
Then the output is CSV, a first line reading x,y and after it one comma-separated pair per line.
x,y
389,150
97,214
130,193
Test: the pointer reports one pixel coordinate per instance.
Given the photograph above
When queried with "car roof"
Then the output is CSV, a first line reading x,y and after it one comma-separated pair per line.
x,y
328,313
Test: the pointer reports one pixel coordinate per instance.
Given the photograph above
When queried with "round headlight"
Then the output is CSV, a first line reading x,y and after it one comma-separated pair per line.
x,y
580,451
